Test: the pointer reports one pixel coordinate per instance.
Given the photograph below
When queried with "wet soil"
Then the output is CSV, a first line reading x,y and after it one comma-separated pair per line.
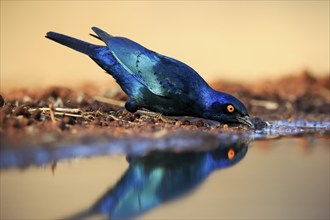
x,y
52,115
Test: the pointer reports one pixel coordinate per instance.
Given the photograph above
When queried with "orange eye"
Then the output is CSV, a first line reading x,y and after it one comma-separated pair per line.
x,y
231,154
230,108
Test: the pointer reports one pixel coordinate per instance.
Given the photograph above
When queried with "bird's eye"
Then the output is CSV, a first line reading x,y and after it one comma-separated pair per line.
x,y
230,108
231,154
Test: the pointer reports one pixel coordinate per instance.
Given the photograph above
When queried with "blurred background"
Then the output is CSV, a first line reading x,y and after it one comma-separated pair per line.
x,y
237,41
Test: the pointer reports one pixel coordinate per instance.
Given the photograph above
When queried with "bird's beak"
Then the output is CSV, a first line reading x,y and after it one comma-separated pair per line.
x,y
245,120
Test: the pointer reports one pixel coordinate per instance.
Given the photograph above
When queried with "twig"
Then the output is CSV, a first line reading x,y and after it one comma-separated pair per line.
x,y
157,115
114,117
69,110
109,101
147,113
68,114
51,112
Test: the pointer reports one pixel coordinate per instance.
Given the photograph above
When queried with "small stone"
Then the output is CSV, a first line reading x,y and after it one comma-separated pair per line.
x,y
258,123
36,114
199,123
21,110
178,123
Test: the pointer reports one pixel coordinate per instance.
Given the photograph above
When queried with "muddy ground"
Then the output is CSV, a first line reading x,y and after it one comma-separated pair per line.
x,y
57,114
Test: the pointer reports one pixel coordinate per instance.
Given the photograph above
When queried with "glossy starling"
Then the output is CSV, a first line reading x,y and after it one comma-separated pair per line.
x,y
157,82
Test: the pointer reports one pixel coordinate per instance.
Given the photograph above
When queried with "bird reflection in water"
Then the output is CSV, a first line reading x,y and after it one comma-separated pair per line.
x,y
160,177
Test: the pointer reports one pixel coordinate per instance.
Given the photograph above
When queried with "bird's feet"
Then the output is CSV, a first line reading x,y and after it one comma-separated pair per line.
x,y
131,106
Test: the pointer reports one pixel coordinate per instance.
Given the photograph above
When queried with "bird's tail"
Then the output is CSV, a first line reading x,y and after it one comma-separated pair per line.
x,y
79,45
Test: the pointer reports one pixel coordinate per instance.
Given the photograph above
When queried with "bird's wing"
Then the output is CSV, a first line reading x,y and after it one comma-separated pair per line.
x,y
162,75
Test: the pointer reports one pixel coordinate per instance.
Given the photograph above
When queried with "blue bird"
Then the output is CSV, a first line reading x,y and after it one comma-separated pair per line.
x,y
157,82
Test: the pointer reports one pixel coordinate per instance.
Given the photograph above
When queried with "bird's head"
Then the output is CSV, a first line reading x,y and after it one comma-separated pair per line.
x,y
228,109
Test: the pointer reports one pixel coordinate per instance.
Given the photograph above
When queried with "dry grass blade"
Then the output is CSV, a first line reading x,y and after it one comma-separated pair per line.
x,y
52,114
109,101
72,112
68,110
68,114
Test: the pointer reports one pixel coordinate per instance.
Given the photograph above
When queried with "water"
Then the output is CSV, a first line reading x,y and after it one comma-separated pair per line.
x,y
278,173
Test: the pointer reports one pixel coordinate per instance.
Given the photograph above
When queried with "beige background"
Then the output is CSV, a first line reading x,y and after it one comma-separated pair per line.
x,y
238,41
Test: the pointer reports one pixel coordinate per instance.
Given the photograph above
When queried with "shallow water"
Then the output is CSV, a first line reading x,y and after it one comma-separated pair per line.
x,y
243,176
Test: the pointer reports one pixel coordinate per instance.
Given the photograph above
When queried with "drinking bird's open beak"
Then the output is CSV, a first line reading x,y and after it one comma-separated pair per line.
x,y
246,121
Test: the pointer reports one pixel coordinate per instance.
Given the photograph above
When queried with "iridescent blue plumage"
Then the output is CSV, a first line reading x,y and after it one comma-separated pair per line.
x,y
157,82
